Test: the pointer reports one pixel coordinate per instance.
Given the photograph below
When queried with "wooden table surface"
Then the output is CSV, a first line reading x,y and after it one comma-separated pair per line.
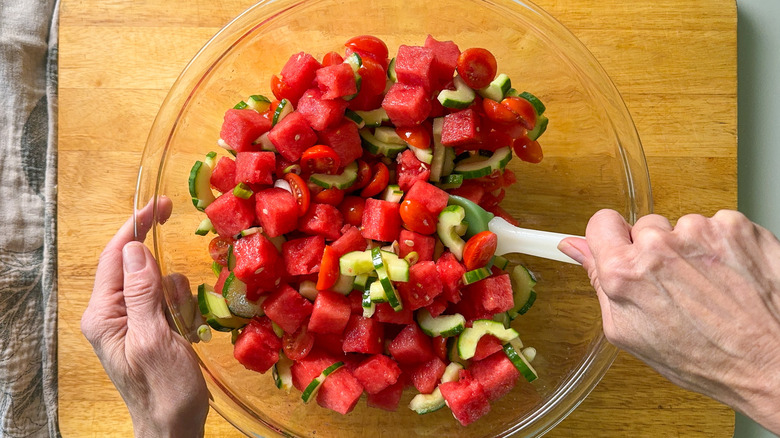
x,y
674,62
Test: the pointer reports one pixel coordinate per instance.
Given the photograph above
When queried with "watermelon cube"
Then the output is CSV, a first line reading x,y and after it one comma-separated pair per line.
x,y
377,373
389,398
496,374
240,128
230,214
319,112
406,105
257,347
438,306
330,314
466,398
307,369
433,198
356,302
461,129
451,274
292,136
276,211
336,81
322,219
257,262
487,345
223,176
411,346
410,170
381,220
332,343
255,167
287,308
472,190
298,74
426,375
409,241
491,295
445,60
385,313
340,392
363,335
350,240
303,256
414,66
423,286
344,139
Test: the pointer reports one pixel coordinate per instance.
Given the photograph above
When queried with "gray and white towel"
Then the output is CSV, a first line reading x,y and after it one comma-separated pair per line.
x,y
28,211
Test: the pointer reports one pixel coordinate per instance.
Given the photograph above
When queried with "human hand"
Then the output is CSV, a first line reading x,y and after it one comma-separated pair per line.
x,y
698,301
153,367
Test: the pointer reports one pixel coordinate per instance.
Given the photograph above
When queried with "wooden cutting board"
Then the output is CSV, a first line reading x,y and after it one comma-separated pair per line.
x,y
674,62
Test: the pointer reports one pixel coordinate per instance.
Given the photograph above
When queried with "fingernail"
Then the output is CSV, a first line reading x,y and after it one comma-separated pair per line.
x,y
571,251
134,257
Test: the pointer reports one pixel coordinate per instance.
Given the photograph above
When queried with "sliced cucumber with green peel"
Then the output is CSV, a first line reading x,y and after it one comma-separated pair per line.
x,y
282,372
384,279
393,193
468,340
443,325
497,88
374,117
387,134
258,102
344,284
391,71
397,268
231,258
356,263
241,105
484,166
355,117
476,275
450,218
523,283
282,110
362,281
427,403
424,155
451,182
500,262
341,181
200,185
204,227
215,310
539,128
521,363
216,268
311,389
438,151
377,147
265,143
539,107
234,292
459,98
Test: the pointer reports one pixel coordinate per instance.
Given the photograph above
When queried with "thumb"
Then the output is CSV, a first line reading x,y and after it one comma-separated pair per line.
x,y
142,287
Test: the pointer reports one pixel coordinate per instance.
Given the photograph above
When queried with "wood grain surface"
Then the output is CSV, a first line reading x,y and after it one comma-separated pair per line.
x,y
674,62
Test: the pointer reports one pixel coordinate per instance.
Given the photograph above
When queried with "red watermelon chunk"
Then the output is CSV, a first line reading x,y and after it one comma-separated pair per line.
x,y
292,136
307,369
240,128
426,375
336,81
445,59
385,313
299,73
438,306
423,286
487,345
276,211
257,347
340,391
356,302
319,112
332,343
230,214
409,241
411,345
496,374
377,373
451,274
351,240
466,398
330,314
363,335
287,308
460,129
389,398
471,190
344,139
255,167
433,198
491,295
381,220
303,256
414,66
322,219
257,262
410,170
223,176
406,105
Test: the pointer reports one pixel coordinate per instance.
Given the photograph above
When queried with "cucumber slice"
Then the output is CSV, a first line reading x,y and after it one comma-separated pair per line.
x,y
393,193
258,102
459,98
356,263
484,166
231,258
450,218
539,128
204,227
376,293
523,282
438,151
215,310
216,268
424,155
374,117
241,105
308,289
250,231
427,403
537,104
451,372
497,88
503,318
243,191
234,292
284,108
200,186
384,279
451,182
265,143
362,282
341,181
355,117
211,160
344,284
282,372
467,341
521,363
355,61
500,262
449,161
476,275
387,134
443,325
377,147
452,352
311,389
391,71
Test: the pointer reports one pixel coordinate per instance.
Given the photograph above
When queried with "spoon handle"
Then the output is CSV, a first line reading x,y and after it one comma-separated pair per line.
x,y
512,239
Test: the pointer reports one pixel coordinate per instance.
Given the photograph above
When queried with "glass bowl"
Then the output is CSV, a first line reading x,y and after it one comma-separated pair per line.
x,y
593,160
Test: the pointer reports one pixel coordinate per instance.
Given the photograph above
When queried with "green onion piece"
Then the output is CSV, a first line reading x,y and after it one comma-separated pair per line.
x,y
242,191
293,168
412,258
204,333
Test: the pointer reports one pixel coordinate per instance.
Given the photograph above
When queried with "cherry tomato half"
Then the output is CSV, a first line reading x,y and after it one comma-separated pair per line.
x,y
320,159
499,113
297,345
363,176
373,78
368,45
528,150
479,249
218,249
418,136
378,182
352,209
332,196
417,218
477,67
523,109
329,269
280,89
300,192
331,58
